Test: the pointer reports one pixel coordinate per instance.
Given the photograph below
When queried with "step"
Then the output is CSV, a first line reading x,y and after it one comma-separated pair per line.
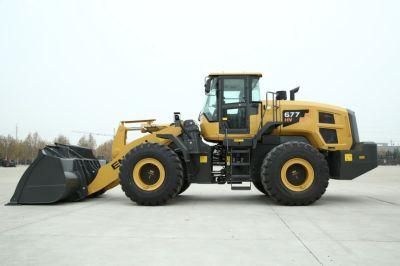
x,y
241,178
241,187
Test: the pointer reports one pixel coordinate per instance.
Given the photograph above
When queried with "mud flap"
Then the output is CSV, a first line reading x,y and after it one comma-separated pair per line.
x,y
59,173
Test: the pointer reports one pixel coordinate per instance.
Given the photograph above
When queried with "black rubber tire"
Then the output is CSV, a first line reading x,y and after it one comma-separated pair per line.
x,y
271,171
260,187
186,181
98,193
173,174
256,174
185,186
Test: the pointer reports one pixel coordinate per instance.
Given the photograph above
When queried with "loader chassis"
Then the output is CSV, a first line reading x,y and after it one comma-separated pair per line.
x,y
287,149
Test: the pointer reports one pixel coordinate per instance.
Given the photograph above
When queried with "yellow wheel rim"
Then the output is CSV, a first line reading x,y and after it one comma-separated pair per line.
x,y
148,174
297,174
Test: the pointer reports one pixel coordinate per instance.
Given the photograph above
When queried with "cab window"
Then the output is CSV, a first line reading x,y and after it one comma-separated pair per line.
x,y
255,90
210,107
234,91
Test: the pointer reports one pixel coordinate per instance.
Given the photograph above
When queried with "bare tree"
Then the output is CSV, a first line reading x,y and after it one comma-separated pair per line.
x,y
3,146
61,139
19,150
104,150
31,145
87,142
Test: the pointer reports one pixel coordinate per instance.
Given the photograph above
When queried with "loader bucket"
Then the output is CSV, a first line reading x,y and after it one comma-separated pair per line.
x,y
59,173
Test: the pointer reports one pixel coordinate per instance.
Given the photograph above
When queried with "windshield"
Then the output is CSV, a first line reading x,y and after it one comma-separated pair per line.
x,y
210,107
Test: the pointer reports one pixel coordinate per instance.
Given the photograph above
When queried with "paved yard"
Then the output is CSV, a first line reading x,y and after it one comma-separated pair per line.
x,y
356,222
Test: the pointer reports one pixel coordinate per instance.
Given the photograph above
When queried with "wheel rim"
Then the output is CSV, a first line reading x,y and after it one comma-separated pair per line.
x,y
297,174
148,174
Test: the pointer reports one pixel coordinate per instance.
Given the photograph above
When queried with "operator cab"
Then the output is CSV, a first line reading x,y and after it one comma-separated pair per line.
x,y
232,100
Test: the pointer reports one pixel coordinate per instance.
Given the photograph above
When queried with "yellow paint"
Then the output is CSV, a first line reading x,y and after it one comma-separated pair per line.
x,y
138,179
108,177
348,157
309,178
119,140
307,127
203,159
228,160
238,140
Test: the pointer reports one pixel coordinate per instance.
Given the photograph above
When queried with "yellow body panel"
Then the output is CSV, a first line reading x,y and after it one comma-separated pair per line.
x,y
107,176
308,126
210,130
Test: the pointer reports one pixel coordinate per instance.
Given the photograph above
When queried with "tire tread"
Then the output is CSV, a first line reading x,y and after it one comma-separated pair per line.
x,y
267,176
166,196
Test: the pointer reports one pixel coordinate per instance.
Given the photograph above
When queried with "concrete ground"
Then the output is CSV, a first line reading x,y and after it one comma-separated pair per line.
x,y
356,222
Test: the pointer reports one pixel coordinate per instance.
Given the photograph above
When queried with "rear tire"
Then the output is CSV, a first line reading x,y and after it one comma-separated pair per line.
x,y
260,187
256,174
295,173
151,174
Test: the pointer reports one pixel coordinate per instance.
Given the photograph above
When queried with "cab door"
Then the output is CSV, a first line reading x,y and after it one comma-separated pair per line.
x,y
234,103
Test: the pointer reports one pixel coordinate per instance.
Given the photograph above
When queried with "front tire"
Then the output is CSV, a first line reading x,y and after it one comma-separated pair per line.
x,y
186,181
151,174
295,173
185,186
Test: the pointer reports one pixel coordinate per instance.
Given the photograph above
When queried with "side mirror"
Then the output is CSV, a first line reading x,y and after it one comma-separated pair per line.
x,y
293,92
207,85
281,95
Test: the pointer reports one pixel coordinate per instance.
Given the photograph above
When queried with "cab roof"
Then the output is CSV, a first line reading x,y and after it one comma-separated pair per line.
x,y
258,74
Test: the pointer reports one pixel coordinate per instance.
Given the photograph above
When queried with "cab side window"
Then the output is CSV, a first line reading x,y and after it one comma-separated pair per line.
x,y
255,90
234,91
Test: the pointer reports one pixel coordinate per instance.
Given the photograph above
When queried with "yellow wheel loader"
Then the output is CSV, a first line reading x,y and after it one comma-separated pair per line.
x,y
287,149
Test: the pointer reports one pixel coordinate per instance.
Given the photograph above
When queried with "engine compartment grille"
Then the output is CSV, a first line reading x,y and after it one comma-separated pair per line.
x,y
326,118
329,135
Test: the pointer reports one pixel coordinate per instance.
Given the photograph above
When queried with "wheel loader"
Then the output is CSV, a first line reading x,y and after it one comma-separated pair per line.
x,y
287,149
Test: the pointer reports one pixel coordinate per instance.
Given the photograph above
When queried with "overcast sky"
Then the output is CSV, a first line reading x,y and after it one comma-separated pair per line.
x,y
85,65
